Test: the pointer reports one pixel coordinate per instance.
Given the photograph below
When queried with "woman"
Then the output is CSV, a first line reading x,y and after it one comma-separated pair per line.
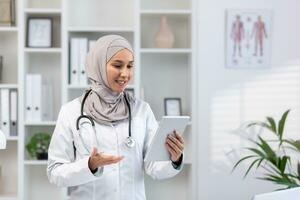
x,y
97,160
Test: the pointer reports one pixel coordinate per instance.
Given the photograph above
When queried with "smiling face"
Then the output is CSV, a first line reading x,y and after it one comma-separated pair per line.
x,y
119,70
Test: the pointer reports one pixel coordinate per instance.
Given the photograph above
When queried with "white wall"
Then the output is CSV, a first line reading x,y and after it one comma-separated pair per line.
x,y
228,97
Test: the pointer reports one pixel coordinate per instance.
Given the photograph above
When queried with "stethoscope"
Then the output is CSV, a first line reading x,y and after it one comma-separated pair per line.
x,y
129,141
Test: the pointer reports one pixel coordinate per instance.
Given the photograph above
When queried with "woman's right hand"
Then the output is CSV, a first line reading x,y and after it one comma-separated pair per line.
x,y
99,159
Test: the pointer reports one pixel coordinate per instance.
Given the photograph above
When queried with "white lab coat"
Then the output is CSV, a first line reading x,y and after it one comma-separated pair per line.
x,y
120,181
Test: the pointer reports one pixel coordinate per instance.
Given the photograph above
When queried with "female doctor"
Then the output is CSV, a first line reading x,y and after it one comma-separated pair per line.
x,y
101,138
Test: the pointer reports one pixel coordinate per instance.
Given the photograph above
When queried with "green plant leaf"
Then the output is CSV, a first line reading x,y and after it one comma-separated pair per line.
x,y
270,177
38,143
272,124
262,124
241,160
250,167
279,168
279,180
270,154
275,169
267,153
283,162
298,170
294,143
281,124
259,163
259,153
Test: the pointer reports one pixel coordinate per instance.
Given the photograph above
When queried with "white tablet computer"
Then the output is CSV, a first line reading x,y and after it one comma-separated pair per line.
x,y
157,150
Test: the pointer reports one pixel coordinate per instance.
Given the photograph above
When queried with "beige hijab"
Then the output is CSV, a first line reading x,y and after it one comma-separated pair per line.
x,y
104,105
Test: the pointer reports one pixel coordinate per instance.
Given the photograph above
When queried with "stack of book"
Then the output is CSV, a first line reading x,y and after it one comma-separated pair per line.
x,y
9,111
78,52
39,99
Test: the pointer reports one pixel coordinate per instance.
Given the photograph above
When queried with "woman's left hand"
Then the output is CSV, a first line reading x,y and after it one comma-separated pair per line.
x,y
175,145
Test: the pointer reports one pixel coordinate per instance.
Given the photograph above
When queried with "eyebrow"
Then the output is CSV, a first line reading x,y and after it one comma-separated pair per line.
x,y
120,61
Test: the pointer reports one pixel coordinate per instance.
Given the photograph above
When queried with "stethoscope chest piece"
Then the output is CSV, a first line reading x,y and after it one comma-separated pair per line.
x,y
130,142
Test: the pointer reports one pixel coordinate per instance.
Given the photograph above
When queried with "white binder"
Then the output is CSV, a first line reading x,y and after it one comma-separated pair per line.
x,y
13,112
82,56
47,102
74,61
2,143
5,115
28,96
36,97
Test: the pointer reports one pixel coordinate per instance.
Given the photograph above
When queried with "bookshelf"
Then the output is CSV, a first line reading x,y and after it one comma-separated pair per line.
x,y
9,158
33,182
137,21
175,66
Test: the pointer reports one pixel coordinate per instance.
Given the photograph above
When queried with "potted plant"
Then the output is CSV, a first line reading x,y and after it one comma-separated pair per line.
x,y
277,157
37,146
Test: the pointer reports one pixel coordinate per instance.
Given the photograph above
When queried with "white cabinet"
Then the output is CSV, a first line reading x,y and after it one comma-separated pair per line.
x,y
159,73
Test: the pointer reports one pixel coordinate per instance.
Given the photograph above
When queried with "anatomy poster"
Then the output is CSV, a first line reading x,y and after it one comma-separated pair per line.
x,y
248,38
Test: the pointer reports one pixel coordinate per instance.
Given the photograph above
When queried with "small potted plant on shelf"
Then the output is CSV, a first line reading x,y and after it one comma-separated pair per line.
x,y
278,157
37,146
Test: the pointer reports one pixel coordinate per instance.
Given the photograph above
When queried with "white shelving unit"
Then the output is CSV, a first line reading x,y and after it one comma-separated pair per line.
x,y
33,182
136,20
9,158
175,67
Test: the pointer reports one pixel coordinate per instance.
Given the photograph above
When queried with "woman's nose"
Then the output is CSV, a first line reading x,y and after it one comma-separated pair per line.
x,y
125,72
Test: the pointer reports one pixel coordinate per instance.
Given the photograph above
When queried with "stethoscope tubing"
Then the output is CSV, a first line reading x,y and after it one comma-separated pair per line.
x,y
129,141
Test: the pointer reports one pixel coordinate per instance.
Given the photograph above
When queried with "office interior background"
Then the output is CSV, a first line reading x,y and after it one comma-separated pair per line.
x,y
219,98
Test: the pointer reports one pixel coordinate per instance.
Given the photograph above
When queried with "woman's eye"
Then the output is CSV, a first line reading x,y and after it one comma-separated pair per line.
x,y
117,66
129,66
